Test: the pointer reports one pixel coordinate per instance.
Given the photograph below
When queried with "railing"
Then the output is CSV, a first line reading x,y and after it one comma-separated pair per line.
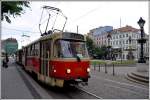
x,y
110,66
104,67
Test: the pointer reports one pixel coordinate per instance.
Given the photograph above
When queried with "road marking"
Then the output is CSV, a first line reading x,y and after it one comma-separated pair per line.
x,y
120,83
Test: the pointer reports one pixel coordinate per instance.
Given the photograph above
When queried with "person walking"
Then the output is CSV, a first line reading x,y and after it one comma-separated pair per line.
x,y
5,61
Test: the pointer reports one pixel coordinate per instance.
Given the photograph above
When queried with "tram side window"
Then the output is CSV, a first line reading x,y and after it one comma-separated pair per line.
x,y
58,52
28,50
36,51
33,50
46,49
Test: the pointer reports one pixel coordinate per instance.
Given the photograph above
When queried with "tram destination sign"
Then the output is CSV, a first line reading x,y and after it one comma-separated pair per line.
x,y
73,36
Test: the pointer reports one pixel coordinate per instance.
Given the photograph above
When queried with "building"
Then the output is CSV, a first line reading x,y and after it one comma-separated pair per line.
x,y
120,41
9,45
99,35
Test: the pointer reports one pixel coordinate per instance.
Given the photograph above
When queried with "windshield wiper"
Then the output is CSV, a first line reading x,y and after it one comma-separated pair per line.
x,y
78,58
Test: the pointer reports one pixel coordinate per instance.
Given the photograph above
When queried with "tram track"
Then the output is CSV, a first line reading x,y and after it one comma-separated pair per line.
x,y
69,92
92,94
72,92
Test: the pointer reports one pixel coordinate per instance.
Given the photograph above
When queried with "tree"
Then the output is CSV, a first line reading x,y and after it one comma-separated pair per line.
x,y
14,8
90,46
101,52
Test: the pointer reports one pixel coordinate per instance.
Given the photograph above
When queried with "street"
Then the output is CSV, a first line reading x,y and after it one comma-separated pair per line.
x,y
18,84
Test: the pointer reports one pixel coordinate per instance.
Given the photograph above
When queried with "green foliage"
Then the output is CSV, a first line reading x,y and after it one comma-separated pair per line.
x,y
124,62
101,52
90,45
96,51
14,8
94,62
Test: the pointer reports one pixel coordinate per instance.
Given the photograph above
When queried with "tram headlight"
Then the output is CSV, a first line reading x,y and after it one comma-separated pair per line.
x,y
88,69
54,70
68,71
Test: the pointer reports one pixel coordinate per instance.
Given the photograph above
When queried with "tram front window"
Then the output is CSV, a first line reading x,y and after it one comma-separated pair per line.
x,y
70,49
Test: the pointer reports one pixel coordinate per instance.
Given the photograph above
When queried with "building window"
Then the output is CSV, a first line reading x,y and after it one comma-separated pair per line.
x,y
126,35
123,35
123,56
120,42
126,41
117,37
123,41
120,36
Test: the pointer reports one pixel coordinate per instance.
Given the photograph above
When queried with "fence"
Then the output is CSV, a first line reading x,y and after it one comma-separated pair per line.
x,y
104,67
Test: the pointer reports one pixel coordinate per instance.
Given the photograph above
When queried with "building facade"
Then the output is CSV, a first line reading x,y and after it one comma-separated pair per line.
x,y
123,39
99,35
9,46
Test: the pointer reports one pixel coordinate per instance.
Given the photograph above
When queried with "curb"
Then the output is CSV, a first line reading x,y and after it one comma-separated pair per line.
x,y
131,78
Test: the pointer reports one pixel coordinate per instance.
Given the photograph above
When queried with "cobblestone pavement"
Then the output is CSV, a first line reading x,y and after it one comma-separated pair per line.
x,y
108,86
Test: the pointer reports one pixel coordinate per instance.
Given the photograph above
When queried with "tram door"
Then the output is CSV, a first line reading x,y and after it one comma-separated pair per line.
x,y
45,56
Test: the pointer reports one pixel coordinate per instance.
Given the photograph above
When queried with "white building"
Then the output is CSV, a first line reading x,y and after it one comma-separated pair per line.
x,y
120,40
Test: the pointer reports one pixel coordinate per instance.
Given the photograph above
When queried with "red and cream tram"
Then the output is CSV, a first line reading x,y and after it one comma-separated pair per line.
x,y
57,59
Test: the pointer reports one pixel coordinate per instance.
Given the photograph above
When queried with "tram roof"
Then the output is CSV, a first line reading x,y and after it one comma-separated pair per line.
x,y
57,35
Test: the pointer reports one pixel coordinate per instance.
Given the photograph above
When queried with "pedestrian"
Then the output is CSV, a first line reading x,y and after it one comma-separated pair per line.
x,y
5,61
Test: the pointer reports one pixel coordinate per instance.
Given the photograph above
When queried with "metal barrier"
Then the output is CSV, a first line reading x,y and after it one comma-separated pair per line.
x,y
105,68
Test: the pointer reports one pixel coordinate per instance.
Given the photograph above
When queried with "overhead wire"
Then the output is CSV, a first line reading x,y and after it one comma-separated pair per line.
x,y
19,30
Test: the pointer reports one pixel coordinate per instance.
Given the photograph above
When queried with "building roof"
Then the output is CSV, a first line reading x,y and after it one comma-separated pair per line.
x,y
127,28
11,40
101,30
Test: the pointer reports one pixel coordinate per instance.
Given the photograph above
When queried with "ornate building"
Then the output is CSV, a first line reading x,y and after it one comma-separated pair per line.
x,y
123,39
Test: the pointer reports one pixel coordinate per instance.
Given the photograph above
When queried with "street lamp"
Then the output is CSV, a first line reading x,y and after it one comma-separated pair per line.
x,y
109,47
142,40
141,22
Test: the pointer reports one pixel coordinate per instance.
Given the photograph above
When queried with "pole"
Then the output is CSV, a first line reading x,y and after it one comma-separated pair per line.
x,y
77,29
105,68
113,70
94,66
141,56
99,67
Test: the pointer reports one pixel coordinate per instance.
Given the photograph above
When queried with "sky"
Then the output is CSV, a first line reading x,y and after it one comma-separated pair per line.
x,y
86,15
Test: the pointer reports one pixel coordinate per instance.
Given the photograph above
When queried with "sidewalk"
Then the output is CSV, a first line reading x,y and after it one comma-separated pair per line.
x,y
12,85
17,84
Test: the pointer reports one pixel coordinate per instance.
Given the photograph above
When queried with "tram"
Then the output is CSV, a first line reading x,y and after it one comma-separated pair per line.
x,y
57,58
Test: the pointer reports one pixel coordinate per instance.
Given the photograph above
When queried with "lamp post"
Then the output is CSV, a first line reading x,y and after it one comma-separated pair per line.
x,y
142,40
130,53
109,47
